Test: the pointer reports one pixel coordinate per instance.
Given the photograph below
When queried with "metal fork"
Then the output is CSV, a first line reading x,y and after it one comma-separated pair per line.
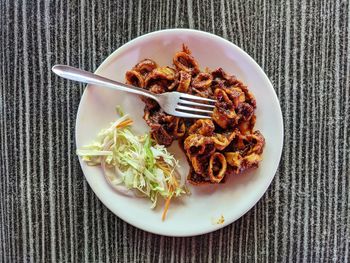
x,y
173,103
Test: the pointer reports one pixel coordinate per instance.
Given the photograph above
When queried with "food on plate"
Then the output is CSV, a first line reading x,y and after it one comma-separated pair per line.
x,y
216,148
218,221
135,165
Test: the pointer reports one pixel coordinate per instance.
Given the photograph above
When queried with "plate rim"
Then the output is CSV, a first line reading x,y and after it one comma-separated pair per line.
x,y
275,99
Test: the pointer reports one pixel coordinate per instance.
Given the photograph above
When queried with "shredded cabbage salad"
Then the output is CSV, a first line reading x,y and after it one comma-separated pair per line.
x,y
135,165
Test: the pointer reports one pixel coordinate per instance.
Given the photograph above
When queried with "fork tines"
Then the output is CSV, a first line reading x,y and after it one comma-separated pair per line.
x,y
201,107
192,97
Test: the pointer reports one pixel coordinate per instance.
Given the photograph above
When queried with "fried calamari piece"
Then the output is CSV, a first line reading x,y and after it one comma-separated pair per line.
x,y
134,78
246,144
202,81
137,75
245,152
236,95
220,77
197,144
180,128
202,126
181,82
145,66
184,61
164,128
184,81
249,96
157,89
224,113
246,127
220,141
164,74
200,164
197,179
234,159
206,170
205,93
257,142
245,111
239,164
150,105
161,136
217,167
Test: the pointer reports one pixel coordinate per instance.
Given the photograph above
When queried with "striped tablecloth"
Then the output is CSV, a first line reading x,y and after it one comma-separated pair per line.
x,y
49,213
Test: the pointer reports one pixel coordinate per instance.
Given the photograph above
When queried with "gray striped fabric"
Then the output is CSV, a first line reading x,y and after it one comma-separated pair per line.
x,y
49,213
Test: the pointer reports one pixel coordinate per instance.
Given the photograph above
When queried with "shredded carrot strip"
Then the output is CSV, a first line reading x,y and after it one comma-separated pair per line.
x,y
164,167
172,185
175,181
125,123
166,207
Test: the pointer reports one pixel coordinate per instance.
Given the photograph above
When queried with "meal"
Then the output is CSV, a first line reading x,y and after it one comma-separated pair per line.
x,y
217,148
135,165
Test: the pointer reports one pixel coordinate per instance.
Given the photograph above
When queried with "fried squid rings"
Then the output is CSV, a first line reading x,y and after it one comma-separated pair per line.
x,y
218,148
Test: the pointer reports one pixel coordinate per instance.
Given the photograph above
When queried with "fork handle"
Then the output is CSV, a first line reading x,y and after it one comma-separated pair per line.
x,y
80,75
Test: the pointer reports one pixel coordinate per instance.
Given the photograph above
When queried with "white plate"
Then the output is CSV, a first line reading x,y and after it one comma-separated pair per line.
x,y
195,214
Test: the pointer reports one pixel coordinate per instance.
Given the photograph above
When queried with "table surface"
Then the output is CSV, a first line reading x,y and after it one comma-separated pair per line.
x,y
49,213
